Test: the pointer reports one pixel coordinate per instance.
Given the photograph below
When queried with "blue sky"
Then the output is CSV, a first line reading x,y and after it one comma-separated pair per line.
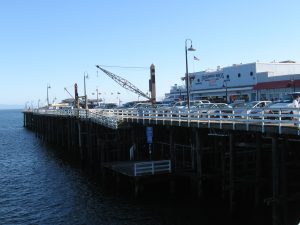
x,y
55,42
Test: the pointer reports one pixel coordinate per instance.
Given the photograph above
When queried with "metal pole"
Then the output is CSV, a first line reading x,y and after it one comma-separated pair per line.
x,y
48,86
187,77
97,97
294,83
85,96
47,96
226,94
226,89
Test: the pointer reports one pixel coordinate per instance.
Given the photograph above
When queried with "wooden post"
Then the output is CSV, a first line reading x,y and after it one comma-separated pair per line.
x,y
231,173
136,187
172,150
79,139
258,169
275,181
284,179
198,148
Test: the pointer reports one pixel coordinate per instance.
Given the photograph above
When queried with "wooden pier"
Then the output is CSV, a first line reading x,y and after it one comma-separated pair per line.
x,y
243,167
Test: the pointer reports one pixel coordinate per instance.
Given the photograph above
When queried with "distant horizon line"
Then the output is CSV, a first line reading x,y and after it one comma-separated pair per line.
x,y
11,106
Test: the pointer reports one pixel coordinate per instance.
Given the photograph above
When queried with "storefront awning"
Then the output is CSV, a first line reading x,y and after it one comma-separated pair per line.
x,y
277,84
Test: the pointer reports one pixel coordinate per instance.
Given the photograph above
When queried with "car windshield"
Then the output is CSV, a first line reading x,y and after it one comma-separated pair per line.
x,y
222,106
287,99
206,105
238,105
180,104
251,104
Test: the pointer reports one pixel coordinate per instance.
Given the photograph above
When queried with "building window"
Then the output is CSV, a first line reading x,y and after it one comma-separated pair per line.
x,y
239,75
227,76
251,73
198,80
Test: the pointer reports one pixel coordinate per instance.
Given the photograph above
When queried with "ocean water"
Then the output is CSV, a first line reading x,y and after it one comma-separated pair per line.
x,y
39,186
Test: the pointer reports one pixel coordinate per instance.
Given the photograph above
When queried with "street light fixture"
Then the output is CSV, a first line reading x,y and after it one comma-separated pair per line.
x,y
48,86
85,75
187,81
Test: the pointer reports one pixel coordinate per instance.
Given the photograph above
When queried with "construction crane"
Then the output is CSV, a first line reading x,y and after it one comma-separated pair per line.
x,y
124,83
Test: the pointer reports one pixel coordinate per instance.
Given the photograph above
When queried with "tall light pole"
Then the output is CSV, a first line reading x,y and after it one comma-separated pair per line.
x,y
118,94
26,105
85,75
187,80
48,86
97,97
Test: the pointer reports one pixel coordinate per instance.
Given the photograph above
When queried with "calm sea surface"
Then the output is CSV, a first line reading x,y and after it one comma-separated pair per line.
x,y
38,186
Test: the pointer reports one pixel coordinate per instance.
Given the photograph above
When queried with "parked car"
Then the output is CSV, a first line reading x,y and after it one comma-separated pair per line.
x,y
250,108
284,106
212,109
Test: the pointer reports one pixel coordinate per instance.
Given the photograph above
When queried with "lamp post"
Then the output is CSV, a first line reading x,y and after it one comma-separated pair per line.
x,y
187,70
293,83
48,86
226,93
97,96
26,105
85,75
118,94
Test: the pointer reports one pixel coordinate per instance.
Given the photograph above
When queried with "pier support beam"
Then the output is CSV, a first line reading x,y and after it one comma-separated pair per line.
x,y
258,170
198,148
284,179
275,181
137,187
172,149
79,140
231,173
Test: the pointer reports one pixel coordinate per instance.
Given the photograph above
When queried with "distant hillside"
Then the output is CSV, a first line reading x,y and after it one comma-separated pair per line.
x,y
4,106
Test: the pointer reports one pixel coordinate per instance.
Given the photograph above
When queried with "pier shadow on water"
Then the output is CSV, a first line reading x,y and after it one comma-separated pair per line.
x,y
156,205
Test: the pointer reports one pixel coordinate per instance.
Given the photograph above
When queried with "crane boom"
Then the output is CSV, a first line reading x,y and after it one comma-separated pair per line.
x,y
124,83
69,93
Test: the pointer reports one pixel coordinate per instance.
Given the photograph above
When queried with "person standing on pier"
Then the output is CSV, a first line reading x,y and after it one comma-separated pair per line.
x,y
296,105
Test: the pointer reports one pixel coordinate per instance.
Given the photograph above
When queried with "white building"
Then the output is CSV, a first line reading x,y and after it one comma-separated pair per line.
x,y
252,81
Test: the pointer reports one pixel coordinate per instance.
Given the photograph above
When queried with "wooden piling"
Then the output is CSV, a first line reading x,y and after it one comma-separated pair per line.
x,y
275,181
198,148
231,173
258,169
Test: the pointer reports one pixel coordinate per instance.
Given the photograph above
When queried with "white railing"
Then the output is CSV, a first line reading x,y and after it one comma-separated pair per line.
x,y
231,117
152,167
